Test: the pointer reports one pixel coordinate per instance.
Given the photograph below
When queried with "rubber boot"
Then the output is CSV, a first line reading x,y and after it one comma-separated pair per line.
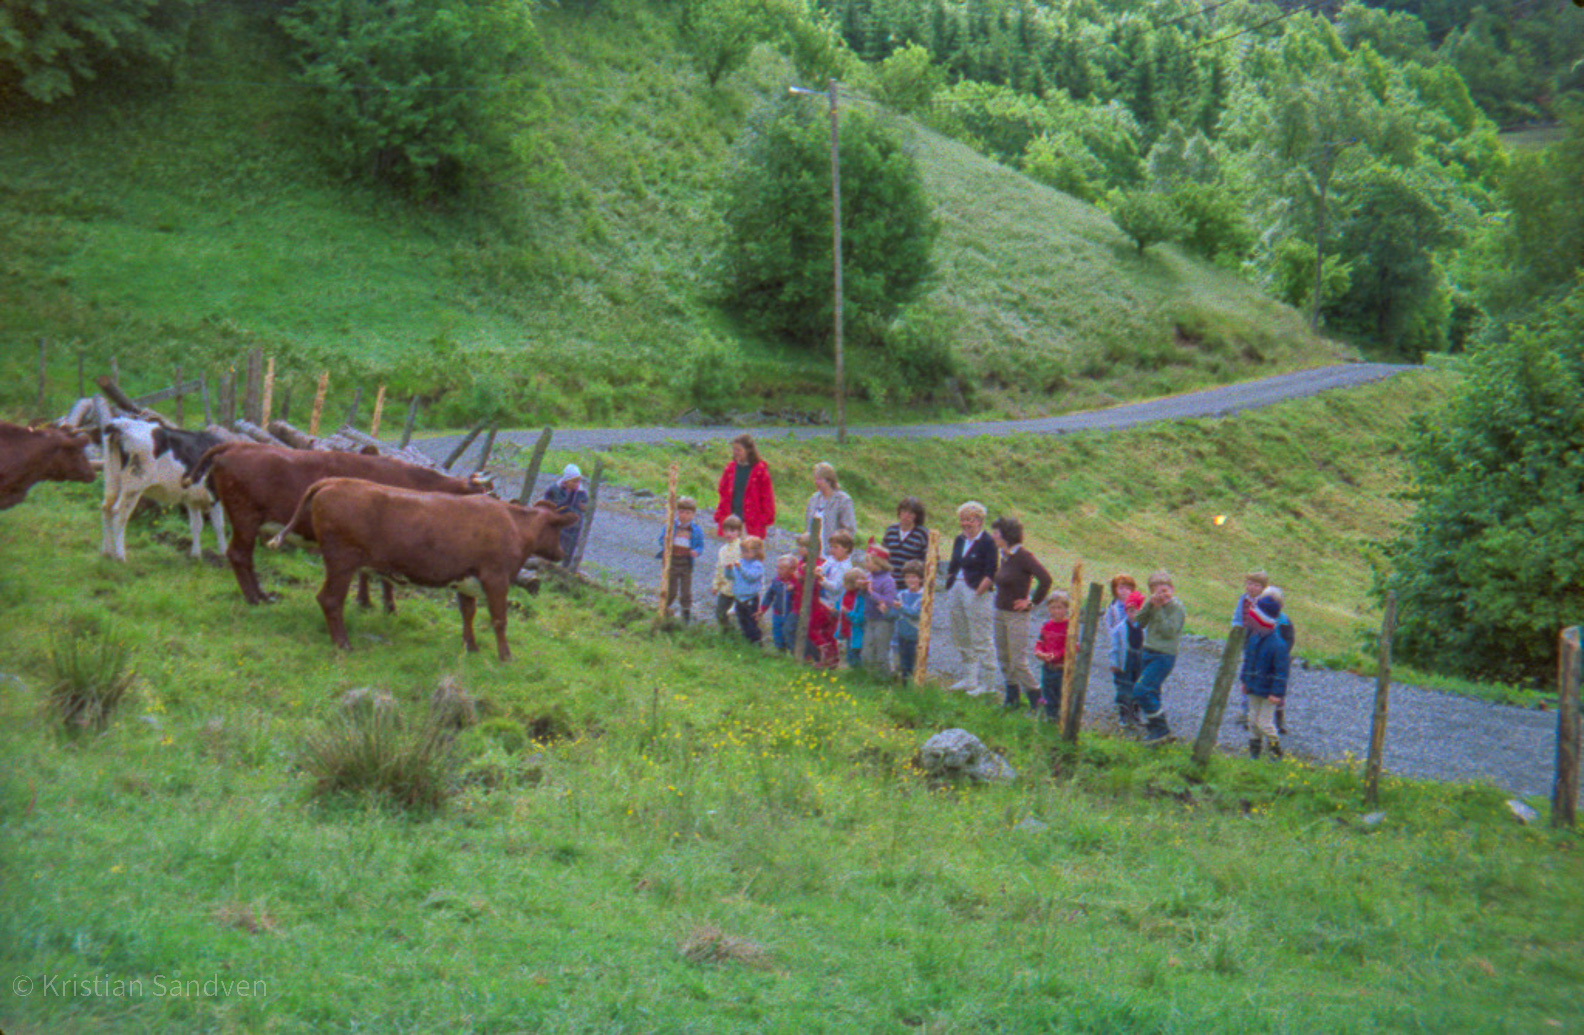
x,y
1127,717
1013,697
1255,745
1281,719
1156,732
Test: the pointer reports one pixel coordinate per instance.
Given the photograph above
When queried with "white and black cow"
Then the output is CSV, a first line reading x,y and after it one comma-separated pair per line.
x,y
145,459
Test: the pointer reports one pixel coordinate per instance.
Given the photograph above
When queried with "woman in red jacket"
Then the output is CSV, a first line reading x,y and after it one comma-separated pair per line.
x,y
745,489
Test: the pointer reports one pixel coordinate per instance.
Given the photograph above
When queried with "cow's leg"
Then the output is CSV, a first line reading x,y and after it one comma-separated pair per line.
x,y
363,594
244,534
388,592
195,518
332,600
467,605
120,514
217,519
495,596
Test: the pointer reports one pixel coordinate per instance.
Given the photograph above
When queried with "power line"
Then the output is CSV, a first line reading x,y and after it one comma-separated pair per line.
x,y
1260,25
1192,14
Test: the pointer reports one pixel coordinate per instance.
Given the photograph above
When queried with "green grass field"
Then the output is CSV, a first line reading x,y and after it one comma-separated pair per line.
x,y
186,226
669,833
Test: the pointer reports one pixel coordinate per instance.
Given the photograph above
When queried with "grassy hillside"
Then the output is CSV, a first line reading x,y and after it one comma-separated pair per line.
x,y
188,224
670,834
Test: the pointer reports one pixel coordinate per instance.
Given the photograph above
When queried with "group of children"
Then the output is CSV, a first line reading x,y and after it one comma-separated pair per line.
x,y
860,615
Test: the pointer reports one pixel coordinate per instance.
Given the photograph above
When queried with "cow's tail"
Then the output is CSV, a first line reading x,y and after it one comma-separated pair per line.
x,y
303,507
200,472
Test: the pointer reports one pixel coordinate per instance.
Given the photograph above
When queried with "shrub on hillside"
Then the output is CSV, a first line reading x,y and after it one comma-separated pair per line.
x,y
777,256
364,750
48,48
908,79
1491,565
1147,216
1213,222
417,93
712,374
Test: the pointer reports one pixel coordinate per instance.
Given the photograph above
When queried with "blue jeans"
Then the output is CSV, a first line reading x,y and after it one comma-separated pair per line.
x,y
1050,689
1125,679
1147,690
778,629
907,657
746,620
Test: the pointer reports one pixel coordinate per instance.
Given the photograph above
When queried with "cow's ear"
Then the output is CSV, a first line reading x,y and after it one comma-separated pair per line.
x,y
564,518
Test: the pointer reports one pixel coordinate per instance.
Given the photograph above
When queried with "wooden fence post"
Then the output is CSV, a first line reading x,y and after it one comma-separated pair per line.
x,y
1377,745
285,413
181,399
412,415
1226,674
266,404
253,392
534,463
43,373
318,406
927,607
1080,664
203,394
588,518
228,397
489,444
667,545
115,370
357,401
379,408
1565,791
1071,654
805,645
456,454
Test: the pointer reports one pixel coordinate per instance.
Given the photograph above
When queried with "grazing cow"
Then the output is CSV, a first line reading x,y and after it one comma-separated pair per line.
x,y
147,459
260,486
32,455
428,539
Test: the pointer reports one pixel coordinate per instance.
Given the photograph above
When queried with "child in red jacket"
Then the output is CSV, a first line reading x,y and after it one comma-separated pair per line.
x,y
1051,651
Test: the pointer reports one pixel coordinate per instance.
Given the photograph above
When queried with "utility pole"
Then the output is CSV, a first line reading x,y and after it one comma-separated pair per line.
x,y
836,250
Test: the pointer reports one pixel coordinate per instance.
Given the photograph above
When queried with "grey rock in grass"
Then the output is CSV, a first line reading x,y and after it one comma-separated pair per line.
x,y
957,754
1033,825
1374,819
1525,814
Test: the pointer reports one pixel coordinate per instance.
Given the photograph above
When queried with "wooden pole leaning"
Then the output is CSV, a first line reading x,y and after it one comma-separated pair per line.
x,y
1220,690
1071,656
1081,665
43,384
534,463
181,409
927,607
1565,791
318,406
379,410
667,538
588,517
804,648
412,416
462,447
489,444
1377,744
268,401
252,393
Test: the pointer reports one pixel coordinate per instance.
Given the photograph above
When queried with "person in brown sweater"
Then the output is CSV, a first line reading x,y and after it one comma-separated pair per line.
x,y
1021,582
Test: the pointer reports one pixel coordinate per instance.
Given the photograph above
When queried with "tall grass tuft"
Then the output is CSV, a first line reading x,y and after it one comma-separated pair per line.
x,y
90,674
365,751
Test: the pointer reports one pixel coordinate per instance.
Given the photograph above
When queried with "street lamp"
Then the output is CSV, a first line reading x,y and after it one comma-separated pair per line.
x,y
836,252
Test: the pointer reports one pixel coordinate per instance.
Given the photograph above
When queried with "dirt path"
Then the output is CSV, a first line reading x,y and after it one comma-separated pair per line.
x,y
1431,734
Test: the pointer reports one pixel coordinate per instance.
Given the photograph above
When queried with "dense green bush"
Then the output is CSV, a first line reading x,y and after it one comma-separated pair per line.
x,y
1492,564
1147,216
48,47
777,256
418,93
712,375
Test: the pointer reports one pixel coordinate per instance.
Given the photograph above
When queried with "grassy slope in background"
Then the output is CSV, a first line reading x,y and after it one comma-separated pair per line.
x,y
686,793
189,225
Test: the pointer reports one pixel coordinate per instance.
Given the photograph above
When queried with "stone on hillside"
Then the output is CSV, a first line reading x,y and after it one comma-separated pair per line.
x,y
1374,819
955,754
1525,814
1032,825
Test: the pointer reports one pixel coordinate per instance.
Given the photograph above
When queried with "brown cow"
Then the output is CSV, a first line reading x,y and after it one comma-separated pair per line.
x,y
32,455
261,485
425,538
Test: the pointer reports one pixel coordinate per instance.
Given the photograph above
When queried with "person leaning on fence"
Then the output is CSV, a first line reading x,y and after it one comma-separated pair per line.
x,y
568,494
970,605
686,543
1021,583
1162,618
1122,585
1265,672
1051,652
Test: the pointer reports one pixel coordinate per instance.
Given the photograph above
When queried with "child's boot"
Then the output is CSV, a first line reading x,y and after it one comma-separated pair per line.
x,y
1255,744
1276,749
1156,732
1281,719
1013,697
1127,718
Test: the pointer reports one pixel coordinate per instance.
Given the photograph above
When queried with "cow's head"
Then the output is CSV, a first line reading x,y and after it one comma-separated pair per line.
x,y
480,482
66,459
542,524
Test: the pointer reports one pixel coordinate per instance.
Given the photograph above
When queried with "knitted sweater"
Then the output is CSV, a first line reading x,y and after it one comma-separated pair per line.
x,y
1162,626
1013,576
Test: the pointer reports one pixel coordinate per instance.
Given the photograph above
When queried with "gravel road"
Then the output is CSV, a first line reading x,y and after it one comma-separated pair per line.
x,y
1430,734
